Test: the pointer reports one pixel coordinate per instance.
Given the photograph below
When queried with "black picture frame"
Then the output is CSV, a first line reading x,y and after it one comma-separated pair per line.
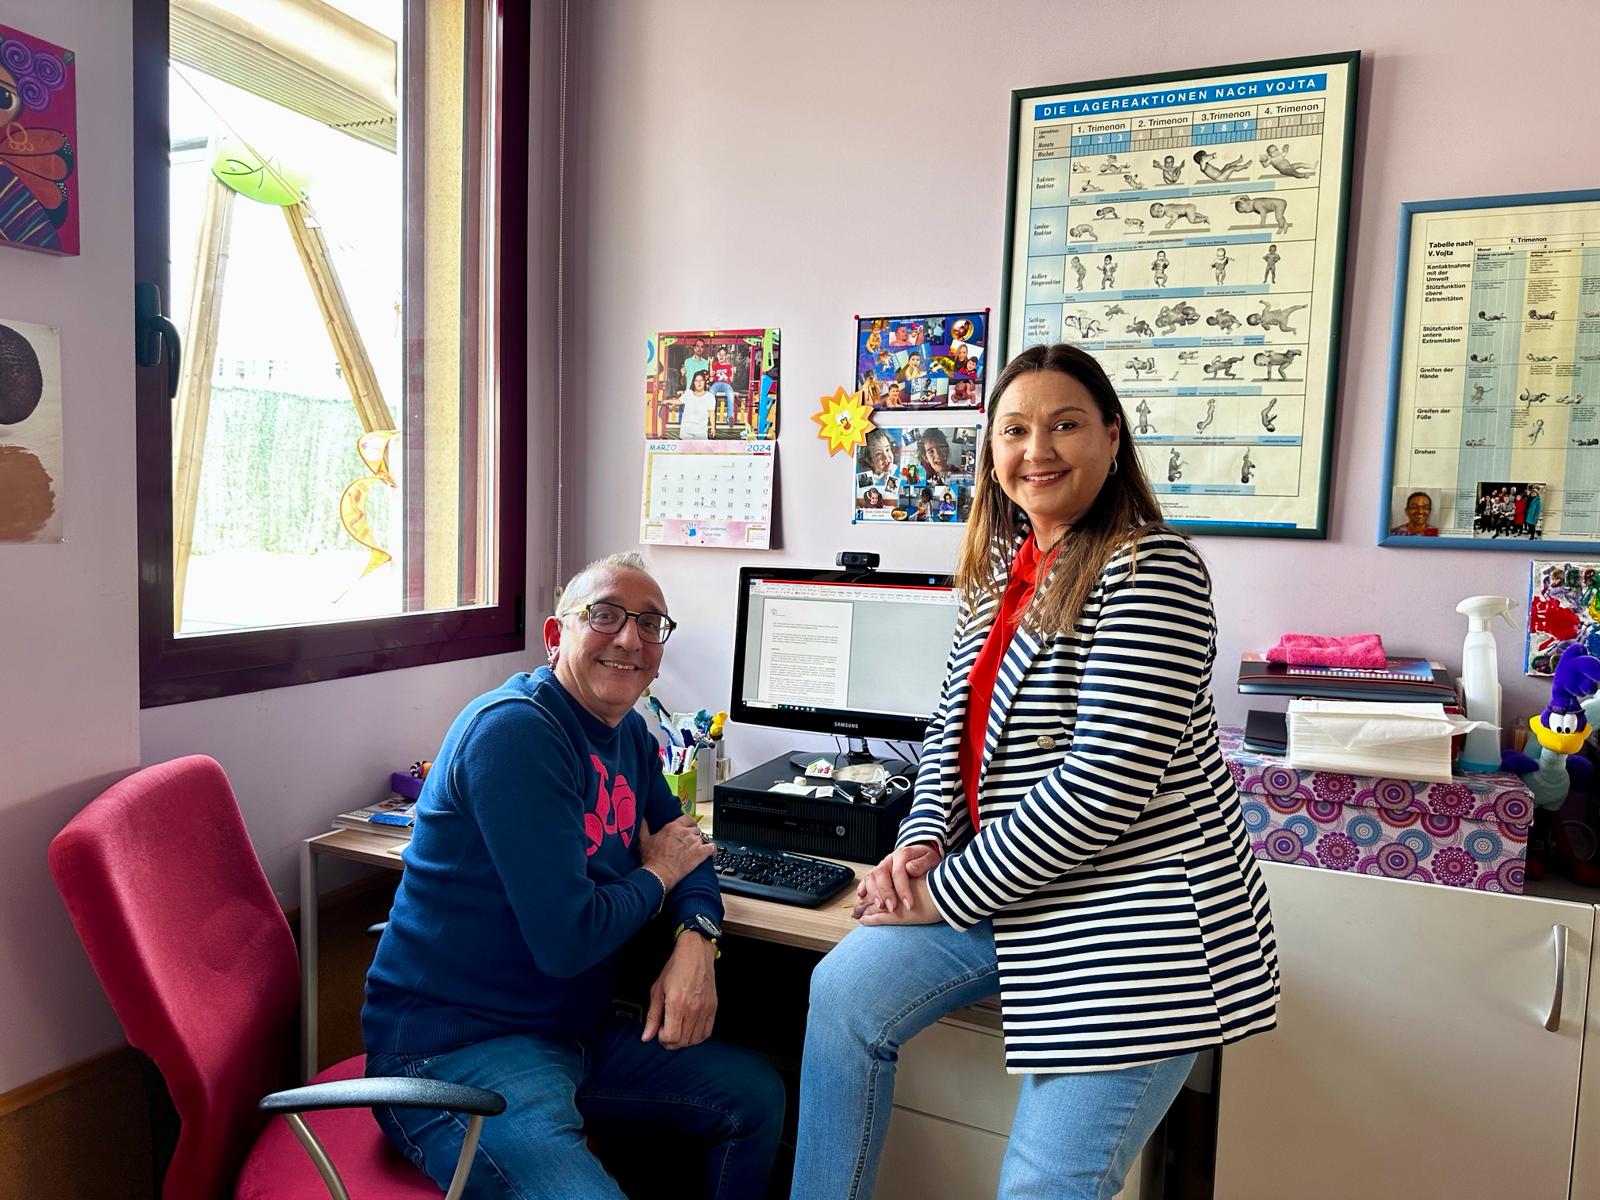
x,y
1290,98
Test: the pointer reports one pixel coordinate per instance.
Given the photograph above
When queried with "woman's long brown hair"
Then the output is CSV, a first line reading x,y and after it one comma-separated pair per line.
x,y
1125,509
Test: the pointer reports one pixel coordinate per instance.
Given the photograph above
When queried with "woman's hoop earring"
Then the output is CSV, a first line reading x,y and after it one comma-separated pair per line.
x,y
1114,467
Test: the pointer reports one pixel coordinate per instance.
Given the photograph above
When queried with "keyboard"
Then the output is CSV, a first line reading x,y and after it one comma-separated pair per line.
x,y
745,870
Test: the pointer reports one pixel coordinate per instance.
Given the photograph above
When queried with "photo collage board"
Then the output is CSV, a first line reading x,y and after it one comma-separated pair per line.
x,y
711,428
925,377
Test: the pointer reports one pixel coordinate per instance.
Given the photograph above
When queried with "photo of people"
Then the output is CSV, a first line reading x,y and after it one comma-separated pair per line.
x,y
713,384
1511,510
919,474
918,361
1418,517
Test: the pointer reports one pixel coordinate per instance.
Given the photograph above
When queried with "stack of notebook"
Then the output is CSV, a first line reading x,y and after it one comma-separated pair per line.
x,y
1399,681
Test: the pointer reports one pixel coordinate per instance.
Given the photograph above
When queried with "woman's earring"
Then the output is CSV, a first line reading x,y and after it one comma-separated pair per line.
x,y
1113,469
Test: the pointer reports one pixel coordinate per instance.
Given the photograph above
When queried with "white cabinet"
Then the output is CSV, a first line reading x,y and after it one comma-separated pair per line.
x,y
953,1104
1586,1158
1411,1057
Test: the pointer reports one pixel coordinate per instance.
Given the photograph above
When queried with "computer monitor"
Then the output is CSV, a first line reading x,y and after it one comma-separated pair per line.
x,y
843,652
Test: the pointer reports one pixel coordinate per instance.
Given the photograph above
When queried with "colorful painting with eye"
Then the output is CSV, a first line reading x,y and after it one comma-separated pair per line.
x,y
38,124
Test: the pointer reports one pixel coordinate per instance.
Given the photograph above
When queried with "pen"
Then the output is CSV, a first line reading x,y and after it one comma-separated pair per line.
x,y
662,718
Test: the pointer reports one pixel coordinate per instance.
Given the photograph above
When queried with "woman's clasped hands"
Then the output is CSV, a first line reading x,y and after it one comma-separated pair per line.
x,y
895,892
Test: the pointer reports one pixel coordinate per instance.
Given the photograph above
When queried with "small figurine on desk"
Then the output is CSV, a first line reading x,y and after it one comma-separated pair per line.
x,y
1561,730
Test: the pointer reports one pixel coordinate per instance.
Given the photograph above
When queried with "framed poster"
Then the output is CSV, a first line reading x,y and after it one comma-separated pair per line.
x,y
1188,229
1494,376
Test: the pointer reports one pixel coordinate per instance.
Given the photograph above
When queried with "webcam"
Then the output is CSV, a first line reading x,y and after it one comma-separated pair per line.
x,y
858,560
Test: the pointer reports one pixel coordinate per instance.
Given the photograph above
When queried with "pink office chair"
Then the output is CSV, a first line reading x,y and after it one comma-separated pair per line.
x,y
167,896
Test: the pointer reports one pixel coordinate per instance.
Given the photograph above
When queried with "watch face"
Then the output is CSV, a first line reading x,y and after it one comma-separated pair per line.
x,y
708,925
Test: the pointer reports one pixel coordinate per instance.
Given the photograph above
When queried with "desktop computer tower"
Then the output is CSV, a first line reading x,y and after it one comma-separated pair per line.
x,y
852,828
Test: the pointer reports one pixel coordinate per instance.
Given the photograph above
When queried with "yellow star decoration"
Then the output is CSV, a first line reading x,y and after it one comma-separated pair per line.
x,y
844,420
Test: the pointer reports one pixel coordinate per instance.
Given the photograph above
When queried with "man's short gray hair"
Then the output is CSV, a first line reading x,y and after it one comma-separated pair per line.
x,y
577,591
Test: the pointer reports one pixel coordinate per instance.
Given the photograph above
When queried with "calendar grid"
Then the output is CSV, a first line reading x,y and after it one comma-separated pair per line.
x,y
708,493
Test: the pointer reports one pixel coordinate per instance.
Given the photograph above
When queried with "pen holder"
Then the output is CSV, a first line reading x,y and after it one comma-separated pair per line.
x,y
685,786
705,773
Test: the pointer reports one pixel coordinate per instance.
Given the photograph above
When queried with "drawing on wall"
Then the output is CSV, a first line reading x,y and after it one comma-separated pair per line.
x,y
1188,230
712,385
920,474
1563,610
38,140
1494,396
843,421
931,360
30,433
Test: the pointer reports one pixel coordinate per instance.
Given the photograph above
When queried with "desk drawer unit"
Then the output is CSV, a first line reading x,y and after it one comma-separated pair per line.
x,y
953,1104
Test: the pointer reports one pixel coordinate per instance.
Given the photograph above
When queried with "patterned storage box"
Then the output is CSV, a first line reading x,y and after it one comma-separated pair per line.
x,y
1472,832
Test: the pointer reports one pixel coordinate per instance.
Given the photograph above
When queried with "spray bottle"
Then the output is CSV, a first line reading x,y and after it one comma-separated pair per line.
x,y
1480,681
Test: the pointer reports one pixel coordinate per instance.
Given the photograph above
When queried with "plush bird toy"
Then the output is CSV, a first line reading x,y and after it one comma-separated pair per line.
x,y
1561,730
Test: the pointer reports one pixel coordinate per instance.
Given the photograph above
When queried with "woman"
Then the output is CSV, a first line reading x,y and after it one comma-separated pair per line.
x,y
694,420
1078,847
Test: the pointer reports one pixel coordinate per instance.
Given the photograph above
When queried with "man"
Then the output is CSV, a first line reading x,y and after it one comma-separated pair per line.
x,y
1419,507
545,840
696,362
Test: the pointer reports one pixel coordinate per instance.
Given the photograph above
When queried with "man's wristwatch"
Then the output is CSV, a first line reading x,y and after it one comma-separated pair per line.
x,y
701,924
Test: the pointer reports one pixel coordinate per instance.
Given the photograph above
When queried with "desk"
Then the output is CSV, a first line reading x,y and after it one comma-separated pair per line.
x,y
954,1071
787,924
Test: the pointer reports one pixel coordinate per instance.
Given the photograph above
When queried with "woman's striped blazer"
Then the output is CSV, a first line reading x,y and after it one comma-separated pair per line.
x,y
1130,919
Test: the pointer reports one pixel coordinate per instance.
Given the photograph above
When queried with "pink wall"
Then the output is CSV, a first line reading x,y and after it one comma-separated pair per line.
x,y
69,684
70,721
838,157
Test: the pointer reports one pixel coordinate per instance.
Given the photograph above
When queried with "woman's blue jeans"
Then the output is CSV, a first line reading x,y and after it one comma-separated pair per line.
x,y
721,1107
1073,1135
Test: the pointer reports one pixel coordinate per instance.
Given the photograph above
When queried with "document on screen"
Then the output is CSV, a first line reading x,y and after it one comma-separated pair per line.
x,y
807,652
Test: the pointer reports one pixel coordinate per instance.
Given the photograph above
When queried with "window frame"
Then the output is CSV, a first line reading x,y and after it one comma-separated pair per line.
x,y
174,670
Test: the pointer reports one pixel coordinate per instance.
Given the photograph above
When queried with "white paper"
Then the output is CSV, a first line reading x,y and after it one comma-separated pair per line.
x,y
807,652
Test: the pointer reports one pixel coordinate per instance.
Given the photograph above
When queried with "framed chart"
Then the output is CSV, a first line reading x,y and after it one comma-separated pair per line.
x,y
1494,376
1188,229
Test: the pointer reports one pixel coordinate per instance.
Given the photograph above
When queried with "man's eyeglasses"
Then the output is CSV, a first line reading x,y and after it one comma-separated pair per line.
x,y
610,618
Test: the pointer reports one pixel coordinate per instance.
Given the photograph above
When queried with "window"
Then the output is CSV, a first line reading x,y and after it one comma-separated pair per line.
x,y
336,484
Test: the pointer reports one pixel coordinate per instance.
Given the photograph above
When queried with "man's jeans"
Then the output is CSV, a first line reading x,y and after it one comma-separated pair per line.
x,y
720,1105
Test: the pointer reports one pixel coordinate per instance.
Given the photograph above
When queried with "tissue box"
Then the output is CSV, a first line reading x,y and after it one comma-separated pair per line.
x,y
1471,832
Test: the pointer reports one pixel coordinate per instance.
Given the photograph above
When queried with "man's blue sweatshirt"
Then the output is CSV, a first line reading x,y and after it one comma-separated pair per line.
x,y
522,879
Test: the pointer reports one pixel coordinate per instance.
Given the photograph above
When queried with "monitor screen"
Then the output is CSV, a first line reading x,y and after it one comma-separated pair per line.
x,y
841,652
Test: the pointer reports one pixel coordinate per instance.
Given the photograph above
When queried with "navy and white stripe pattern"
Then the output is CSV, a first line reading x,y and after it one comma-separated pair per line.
x,y
1130,918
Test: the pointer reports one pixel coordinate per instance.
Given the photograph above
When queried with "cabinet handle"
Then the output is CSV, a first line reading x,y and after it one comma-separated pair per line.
x,y
1558,936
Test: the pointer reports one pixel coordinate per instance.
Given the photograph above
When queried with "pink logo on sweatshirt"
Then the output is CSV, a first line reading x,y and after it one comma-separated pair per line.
x,y
614,809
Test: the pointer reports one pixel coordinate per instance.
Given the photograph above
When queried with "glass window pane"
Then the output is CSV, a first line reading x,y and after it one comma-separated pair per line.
x,y
329,446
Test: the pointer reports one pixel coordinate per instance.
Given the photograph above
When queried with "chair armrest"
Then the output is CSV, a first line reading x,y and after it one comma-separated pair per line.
x,y
389,1092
